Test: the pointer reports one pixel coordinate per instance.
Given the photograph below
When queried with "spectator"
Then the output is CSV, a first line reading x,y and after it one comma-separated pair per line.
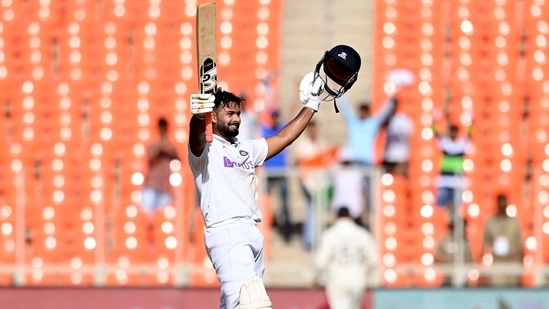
x,y
311,156
502,242
156,188
451,170
362,133
252,114
276,169
348,187
399,129
449,247
346,260
363,128
250,127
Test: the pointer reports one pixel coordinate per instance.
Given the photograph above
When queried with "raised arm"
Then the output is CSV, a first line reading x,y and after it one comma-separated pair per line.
x,y
200,105
387,109
290,132
346,108
435,130
197,135
470,130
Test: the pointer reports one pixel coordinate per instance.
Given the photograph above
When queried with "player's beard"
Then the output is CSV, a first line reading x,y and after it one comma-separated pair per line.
x,y
226,130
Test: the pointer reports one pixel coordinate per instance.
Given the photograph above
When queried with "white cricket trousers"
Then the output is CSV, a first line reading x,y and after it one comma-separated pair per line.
x,y
344,296
236,252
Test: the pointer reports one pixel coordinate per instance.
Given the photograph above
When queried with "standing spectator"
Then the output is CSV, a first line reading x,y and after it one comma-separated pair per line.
x,y
311,156
503,242
276,170
363,129
346,258
250,127
399,129
449,247
348,184
451,170
157,188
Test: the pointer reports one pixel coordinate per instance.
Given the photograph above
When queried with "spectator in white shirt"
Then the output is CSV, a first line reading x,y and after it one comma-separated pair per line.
x,y
348,183
399,128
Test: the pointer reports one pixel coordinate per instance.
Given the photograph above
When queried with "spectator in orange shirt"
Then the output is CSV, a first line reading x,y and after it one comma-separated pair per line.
x,y
311,155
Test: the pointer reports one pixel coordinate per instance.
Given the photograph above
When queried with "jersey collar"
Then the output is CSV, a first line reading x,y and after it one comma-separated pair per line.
x,y
224,141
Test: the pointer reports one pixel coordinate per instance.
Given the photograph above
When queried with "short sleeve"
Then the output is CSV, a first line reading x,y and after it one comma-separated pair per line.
x,y
196,163
260,149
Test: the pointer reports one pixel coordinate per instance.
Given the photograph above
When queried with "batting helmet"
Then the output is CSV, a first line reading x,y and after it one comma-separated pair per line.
x,y
340,66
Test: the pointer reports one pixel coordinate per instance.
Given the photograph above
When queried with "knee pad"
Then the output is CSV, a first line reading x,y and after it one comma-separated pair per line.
x,y
253,295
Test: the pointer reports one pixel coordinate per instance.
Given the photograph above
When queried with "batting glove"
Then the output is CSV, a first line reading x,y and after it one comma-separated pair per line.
x,y
202,104
309,89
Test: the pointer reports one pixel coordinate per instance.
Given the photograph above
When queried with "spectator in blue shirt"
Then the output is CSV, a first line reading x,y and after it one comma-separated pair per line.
x,y
362,129
276,169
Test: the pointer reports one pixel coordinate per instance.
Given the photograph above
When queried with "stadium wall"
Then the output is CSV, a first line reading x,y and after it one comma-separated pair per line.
x,y
148,298
173,298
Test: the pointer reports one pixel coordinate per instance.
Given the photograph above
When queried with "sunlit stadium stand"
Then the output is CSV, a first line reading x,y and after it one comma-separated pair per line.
x,y
83,82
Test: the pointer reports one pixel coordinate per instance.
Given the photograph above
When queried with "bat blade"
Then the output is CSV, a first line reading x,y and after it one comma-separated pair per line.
x,y
206,42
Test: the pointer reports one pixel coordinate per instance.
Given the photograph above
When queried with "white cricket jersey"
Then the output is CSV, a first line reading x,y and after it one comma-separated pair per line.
x,y
347,253
226,179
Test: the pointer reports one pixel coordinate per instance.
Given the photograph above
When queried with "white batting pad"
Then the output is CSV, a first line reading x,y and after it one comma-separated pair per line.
x,y
253,295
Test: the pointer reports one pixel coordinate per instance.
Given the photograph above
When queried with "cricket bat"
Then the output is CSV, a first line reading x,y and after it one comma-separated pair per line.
x,y
206,55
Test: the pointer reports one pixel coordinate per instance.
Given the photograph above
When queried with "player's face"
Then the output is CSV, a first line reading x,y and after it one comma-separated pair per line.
x,y
227,120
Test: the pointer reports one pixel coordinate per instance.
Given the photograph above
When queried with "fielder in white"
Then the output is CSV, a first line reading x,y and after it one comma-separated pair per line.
x,y
225,175
346,261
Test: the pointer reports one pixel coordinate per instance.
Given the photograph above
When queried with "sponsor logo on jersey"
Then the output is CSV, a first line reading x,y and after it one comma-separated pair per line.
x,y
247,165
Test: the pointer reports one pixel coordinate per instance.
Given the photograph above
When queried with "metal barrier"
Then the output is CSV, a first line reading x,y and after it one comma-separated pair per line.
x,y
182,268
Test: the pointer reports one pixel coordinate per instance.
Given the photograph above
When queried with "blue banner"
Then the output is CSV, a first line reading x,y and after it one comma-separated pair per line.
x,y
461,299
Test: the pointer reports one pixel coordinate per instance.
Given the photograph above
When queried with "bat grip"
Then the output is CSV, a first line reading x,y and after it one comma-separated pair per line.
x,y
209,132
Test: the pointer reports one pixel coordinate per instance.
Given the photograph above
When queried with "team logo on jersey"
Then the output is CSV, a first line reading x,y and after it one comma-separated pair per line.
x,y
247,165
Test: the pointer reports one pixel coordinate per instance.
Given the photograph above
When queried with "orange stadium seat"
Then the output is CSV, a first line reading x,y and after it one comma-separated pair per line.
x,y
129,260
428,278
9,236
396,278
169,235
202,273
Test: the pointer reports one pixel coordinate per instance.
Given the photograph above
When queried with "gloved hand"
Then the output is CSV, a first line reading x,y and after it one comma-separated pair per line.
x,y
309,89
201,104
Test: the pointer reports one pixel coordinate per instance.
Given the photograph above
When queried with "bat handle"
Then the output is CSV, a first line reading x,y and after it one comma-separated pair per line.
x,y
209,132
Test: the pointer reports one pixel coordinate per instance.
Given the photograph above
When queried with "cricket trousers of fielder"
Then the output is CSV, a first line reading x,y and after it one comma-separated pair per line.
x,y
236,252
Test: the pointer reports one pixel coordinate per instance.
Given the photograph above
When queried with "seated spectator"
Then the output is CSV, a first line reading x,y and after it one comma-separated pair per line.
x,y
449,247
502,243
157,190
